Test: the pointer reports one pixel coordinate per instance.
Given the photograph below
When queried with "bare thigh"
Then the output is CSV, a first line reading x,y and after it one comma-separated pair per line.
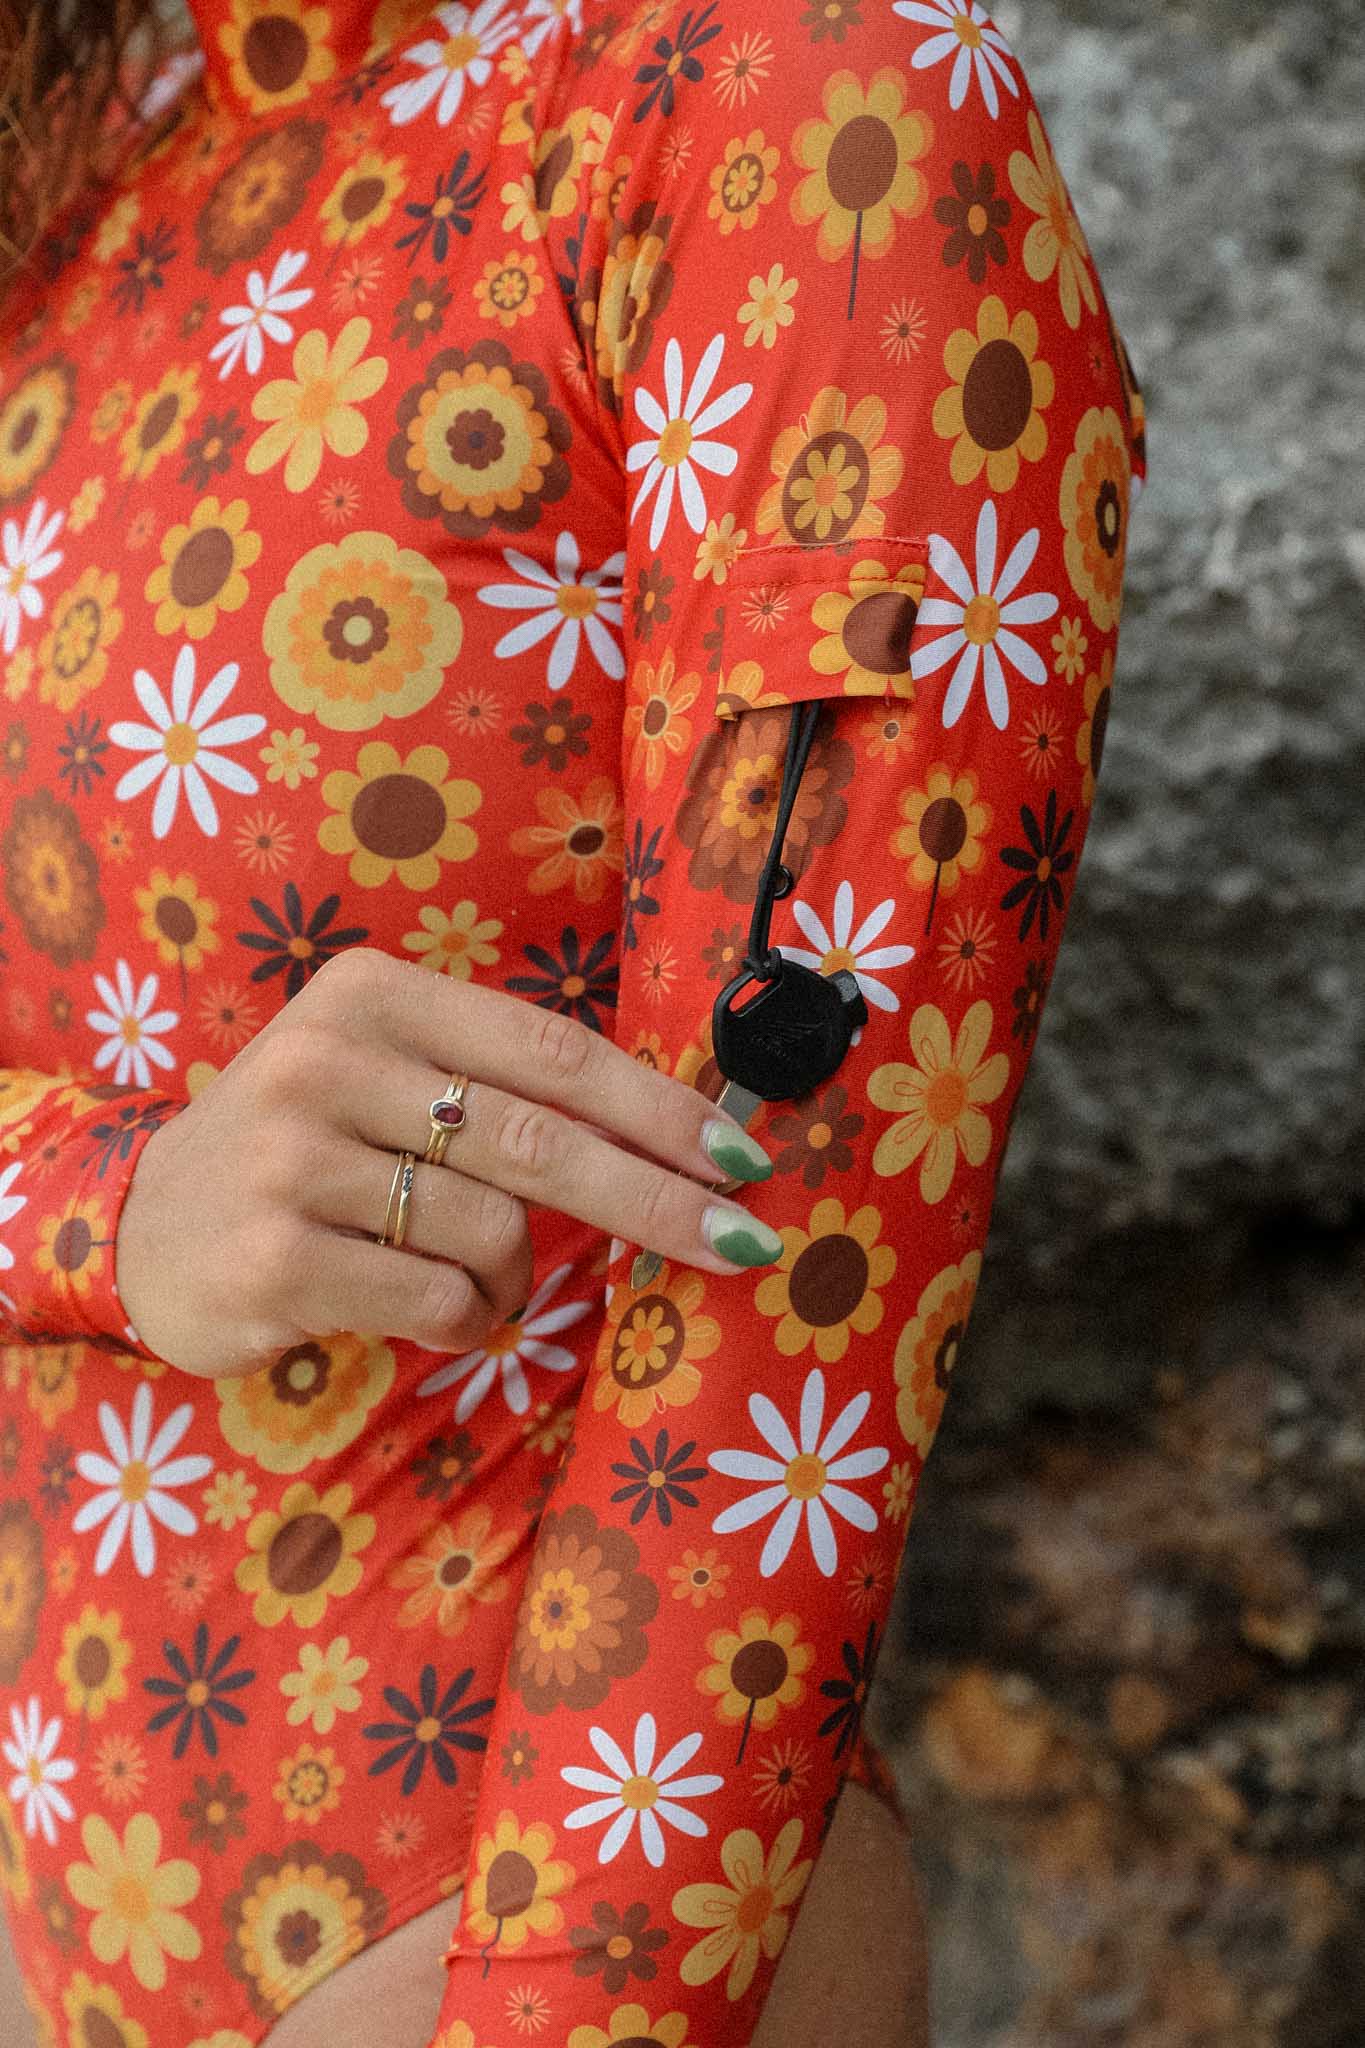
x,y
853,1969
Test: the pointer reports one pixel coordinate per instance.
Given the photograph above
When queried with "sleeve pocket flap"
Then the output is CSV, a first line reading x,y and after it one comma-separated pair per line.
x,y
828,621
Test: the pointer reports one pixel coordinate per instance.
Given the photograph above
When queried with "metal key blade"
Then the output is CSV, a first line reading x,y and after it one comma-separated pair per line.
x,y
741,1104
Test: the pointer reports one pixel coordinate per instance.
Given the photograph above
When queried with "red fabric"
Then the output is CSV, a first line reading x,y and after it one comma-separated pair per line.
x,y
625,379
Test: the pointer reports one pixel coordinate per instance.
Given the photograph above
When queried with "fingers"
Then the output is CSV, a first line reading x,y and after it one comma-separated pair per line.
x,y
351,1283
509,1146
532,1054
451,1217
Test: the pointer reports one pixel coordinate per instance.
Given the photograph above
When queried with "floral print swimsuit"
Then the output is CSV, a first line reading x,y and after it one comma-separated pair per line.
x,y
432,479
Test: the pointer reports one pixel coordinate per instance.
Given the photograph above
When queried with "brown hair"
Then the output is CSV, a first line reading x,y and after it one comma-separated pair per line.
x,y
66,67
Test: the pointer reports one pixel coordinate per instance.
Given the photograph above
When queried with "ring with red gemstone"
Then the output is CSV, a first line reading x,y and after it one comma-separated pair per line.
x,y
447,1114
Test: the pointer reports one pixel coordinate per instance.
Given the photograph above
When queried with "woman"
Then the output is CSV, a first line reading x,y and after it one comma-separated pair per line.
x,y
445,473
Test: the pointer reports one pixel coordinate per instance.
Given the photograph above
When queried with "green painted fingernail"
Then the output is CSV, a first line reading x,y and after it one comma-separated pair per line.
x,y
738,1155
740,1237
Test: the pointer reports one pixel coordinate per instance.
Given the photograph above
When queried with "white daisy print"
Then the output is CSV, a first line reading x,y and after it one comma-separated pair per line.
x,y
844,947
648,1793
466,53
675,449
26,556
982,612
563,603
134,1481
131,1027
807,1476
968,36
514,1346
10,1205
181,746
261,319
545,15
38,1774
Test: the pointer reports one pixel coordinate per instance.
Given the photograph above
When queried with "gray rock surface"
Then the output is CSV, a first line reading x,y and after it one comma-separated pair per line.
x,y
1201,1055
1124,1694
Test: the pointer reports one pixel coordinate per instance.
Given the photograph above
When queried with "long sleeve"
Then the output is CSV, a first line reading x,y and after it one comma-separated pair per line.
x,y
68,1151
876,438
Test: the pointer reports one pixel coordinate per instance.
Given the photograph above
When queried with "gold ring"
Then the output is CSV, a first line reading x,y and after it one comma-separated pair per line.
x,y
447,1115
401,1188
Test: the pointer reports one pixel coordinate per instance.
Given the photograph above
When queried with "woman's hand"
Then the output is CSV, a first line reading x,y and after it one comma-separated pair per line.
x,y
251,1219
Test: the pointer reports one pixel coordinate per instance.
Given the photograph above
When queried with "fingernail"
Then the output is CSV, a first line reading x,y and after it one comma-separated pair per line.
x,y
738,1155
740,1237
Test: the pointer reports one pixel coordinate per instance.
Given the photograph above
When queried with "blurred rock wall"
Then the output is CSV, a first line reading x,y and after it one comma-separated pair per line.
x,y
1125,1691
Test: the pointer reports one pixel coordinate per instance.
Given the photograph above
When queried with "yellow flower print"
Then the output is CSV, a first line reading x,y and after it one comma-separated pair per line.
x,y
319,406
116,227
927,1351
90,1670
277,55
309,1784
831,469
654,721
298,1888
111,410
867,629
19,679
290,757
86,504
862,158
226,2037
747,1914
630,2025
133,1897
95,2012
304,1555
824,1286
743,182
402,817
548,189
898,1491
73,655
647,1352
202,566
362,631
757,1670
1090,738
228,1499
14,1877
940,1097
325,1685
451,1568
362,198
1055,241
510,288
581,840
513,1886
33,421
1070,644
454,942
159,422
943,837
72,1247
53,1371
768,307
993,410
177,920
1094,508
719,548
310,1402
